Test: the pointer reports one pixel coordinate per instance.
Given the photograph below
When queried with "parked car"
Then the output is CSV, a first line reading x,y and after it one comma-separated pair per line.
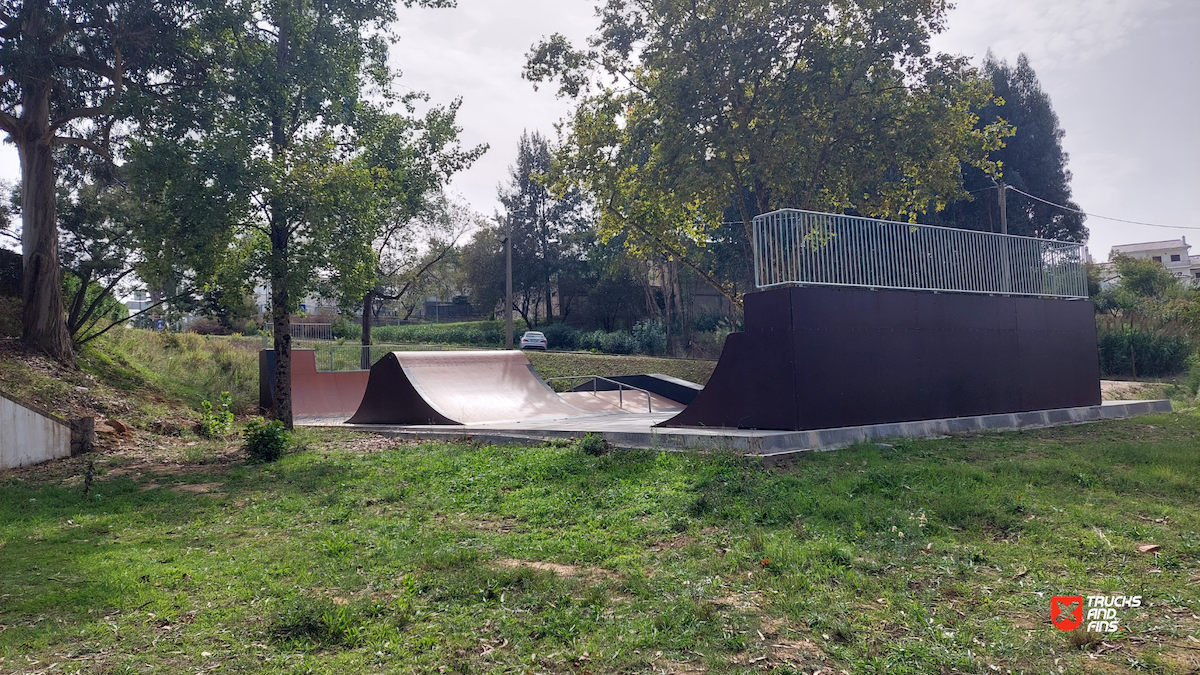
x,y
533,340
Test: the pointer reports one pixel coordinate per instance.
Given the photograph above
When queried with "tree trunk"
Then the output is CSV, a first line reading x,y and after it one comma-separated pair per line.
x,y
368,301
44,324
281,315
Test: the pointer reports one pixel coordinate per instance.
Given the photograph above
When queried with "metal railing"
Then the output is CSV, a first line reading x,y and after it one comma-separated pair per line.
x,y
312,331
621,386
793,247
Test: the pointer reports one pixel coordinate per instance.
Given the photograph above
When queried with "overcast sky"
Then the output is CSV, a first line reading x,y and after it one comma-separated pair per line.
x,y
1123,75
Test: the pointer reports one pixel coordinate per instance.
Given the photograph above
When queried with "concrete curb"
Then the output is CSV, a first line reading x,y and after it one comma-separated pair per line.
x,y
773,446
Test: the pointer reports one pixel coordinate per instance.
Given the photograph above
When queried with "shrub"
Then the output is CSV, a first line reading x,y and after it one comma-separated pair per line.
x,y
346,330
265,441
593,444
561,336
216,423
1145,353
706,323
1193,381
650,337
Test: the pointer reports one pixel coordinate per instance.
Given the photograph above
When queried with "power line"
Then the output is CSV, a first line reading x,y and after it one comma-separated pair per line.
x,y
1092,215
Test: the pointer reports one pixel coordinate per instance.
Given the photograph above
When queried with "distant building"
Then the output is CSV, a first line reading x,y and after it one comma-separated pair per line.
x,y
1173,254
138,302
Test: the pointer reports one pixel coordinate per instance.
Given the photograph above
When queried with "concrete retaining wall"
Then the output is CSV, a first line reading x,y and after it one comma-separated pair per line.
x,y
30,437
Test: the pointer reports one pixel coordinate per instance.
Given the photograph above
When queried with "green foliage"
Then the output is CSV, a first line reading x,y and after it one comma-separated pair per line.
x,y
561,335
1193,379
651,337
265,441
216,423
1031,160
182,367
592,444
1143,353
1149,321
617,342
753,105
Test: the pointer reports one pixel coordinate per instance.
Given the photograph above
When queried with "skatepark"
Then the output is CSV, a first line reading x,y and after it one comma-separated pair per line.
x,y
844,342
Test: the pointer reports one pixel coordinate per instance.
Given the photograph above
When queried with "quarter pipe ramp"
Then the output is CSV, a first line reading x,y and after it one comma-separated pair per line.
x,y
462,387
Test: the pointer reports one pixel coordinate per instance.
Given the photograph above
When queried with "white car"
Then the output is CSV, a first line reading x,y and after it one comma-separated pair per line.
x,y
533,340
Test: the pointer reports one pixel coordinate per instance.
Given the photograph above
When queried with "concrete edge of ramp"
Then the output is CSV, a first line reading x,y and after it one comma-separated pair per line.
x,y
30,434
779,446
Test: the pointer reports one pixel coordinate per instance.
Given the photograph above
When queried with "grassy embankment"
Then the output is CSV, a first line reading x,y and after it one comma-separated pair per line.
x,y
360,555
144,377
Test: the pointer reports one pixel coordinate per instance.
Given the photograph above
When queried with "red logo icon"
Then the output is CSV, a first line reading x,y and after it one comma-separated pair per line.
x,y
1066,611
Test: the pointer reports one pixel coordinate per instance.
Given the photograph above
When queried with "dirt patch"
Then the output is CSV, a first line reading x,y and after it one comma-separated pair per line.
x,y
1121,390
589,573
682,668
742,601
672,543
197,488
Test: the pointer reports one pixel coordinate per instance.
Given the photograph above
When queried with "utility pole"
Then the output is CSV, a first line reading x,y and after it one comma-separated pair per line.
x,y
1007,268
1003,207
508,303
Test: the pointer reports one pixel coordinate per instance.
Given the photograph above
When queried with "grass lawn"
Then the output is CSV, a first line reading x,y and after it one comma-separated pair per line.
x,y
359,554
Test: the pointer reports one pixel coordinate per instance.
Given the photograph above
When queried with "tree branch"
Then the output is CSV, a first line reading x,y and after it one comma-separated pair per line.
x,y
95,304
131,317
85,143
77,113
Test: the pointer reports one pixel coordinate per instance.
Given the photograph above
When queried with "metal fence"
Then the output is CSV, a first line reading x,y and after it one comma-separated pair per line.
x,y
793,247
312,331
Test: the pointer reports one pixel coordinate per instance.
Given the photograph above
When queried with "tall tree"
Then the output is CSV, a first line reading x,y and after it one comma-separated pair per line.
x,y
1032,161
296,96
541,221
70,70
686,107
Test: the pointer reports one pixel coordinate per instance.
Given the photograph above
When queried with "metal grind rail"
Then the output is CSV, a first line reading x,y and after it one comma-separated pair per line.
x,y
794,247
620,387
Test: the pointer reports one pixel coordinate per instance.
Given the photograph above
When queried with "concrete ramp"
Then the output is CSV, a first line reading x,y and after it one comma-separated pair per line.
x,y
465,387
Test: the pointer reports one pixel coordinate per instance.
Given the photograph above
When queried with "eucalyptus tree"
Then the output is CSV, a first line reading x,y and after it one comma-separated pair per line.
x,y
687,107
71,71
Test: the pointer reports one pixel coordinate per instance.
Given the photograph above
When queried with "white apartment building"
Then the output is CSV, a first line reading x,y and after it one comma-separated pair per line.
x,y
1173,254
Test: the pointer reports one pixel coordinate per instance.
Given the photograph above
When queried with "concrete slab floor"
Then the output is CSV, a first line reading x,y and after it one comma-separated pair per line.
x,y
637,430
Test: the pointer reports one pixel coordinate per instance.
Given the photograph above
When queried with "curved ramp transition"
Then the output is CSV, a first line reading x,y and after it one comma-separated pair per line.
x,y
457,388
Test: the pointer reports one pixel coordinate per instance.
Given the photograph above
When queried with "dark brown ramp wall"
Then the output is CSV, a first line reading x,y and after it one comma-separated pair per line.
x,y
817,358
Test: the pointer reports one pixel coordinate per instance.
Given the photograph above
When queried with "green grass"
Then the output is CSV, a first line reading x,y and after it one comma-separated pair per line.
x,y
558,364
331,356
177,368
355,554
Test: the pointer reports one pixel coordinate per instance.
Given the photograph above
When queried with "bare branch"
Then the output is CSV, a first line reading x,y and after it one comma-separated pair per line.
x,y
73,61
84,143
8,122
131,317
78,113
